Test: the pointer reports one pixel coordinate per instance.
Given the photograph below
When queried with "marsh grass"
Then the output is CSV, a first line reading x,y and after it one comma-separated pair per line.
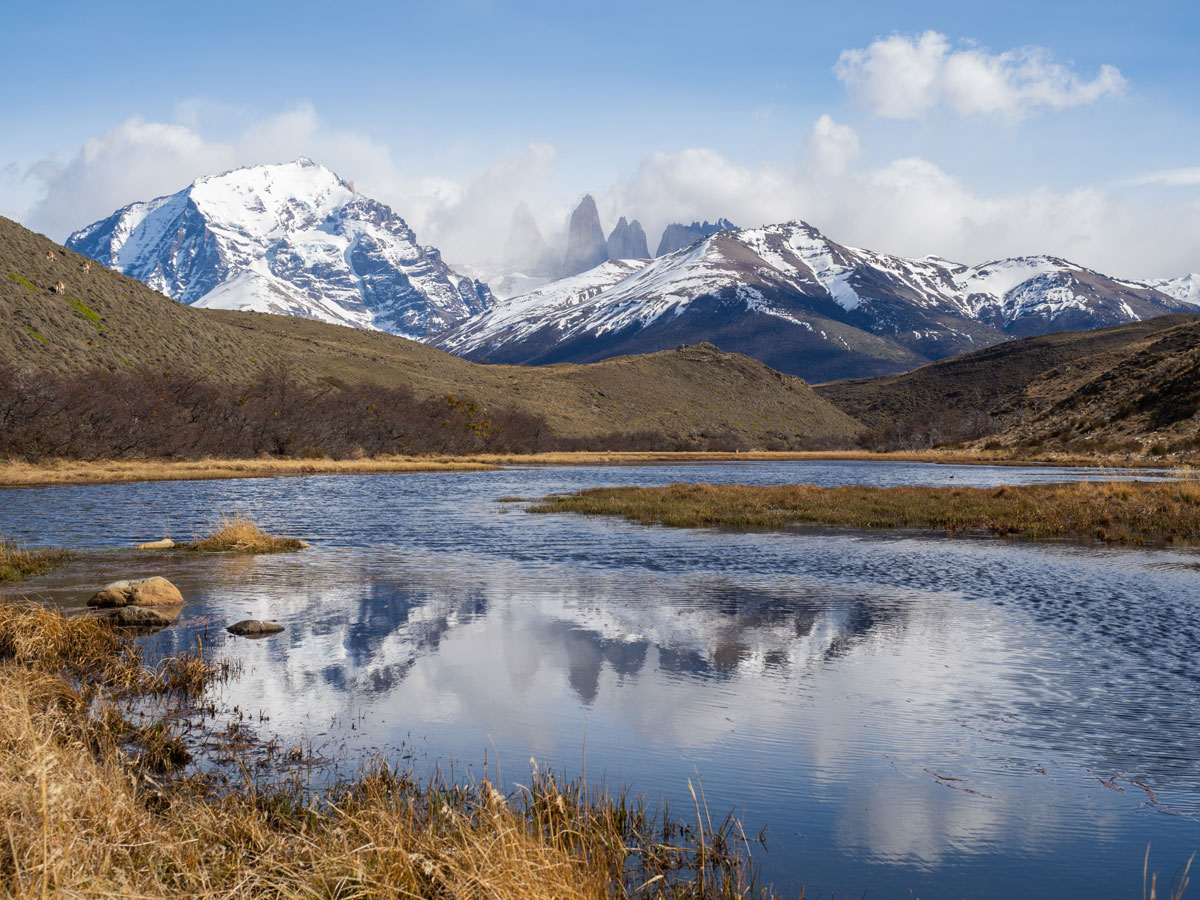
x,y
17,562
239,534
1117,512
16,473
88,813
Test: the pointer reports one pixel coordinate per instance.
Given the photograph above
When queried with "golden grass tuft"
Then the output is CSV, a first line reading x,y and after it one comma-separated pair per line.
x,y
239,534
86,817
17,562
1116,512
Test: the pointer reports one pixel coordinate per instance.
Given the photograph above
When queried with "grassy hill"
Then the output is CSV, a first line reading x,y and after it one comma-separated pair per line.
x,y
105,320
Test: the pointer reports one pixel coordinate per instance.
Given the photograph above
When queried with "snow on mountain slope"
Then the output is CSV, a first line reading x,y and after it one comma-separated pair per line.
x,y
793,275
1185,288
515,318
292,239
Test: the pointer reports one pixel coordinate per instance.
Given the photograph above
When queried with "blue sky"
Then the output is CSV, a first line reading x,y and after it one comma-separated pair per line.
x,y
963,129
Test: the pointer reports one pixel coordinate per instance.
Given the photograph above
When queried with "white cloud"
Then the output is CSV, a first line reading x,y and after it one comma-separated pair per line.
x,y
913,207
139,160
905,77
1168,178
831,147
471,223
909,206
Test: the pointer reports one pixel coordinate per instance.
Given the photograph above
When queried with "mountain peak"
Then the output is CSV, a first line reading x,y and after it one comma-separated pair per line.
x,y
586,247
290,238
676,236
628,241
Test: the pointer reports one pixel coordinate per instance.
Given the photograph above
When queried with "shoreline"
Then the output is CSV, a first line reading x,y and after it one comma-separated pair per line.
x,y
75,472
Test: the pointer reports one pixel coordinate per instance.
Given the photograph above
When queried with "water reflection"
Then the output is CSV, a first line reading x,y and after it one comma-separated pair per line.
x,y
904,712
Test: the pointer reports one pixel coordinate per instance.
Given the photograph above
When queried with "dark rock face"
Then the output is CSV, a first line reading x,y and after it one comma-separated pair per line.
x,y
676,236
628,241
526,250
586,247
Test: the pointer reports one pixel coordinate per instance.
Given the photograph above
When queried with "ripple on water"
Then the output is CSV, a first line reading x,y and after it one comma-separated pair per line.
x,y
949,716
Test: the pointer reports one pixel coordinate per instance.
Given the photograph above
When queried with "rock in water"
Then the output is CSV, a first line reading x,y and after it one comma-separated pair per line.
x,y
628,241
254,628
139,617
156,591
586,247
164,544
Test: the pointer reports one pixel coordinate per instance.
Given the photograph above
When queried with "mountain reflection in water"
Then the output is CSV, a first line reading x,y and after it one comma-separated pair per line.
x,y
903,712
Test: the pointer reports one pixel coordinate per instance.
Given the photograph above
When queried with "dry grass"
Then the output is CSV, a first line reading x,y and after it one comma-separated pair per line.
x,y
54,472
84,816
1120,512
24,474
18,562
238,534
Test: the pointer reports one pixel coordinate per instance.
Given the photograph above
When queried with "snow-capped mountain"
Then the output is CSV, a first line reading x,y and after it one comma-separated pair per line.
x,y
520,316
293,239
803,304
1185,288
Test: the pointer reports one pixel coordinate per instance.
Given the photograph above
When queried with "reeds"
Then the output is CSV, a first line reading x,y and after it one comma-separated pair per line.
x,y
87,813
239,534
17,562
1117,512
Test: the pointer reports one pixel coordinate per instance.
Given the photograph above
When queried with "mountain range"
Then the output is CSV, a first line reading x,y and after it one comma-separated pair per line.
x,y
802,303
106,321
293,239
298,240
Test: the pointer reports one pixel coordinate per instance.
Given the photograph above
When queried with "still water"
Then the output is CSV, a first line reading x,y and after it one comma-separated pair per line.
x,y
905,714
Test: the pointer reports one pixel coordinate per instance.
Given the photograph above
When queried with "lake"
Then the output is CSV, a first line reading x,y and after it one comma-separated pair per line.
x,y
902,712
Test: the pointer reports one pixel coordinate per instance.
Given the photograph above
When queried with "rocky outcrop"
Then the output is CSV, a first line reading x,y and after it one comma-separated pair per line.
x,y
586,247
628,241
525,250
254,628
156,591
676,236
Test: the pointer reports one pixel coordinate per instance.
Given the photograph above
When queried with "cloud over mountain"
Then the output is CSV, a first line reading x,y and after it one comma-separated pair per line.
x,y
906,77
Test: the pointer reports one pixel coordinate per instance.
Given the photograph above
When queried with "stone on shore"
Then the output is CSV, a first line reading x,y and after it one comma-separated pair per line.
x,y
155,591
164,544
254,628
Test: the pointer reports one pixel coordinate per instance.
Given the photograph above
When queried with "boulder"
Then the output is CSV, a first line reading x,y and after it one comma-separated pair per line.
x,y
114,595
164,544
254,628
155,591
139,617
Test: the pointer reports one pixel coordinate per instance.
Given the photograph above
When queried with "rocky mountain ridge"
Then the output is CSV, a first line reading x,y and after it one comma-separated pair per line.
x,y
803,303
293,239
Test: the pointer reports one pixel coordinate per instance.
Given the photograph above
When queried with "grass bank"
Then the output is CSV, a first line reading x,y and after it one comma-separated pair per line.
x,y
55,472
92,809
1119,512
17,562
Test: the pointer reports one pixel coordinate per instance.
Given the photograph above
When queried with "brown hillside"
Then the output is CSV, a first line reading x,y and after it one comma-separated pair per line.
x,y
1146,392
108,321
984,379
